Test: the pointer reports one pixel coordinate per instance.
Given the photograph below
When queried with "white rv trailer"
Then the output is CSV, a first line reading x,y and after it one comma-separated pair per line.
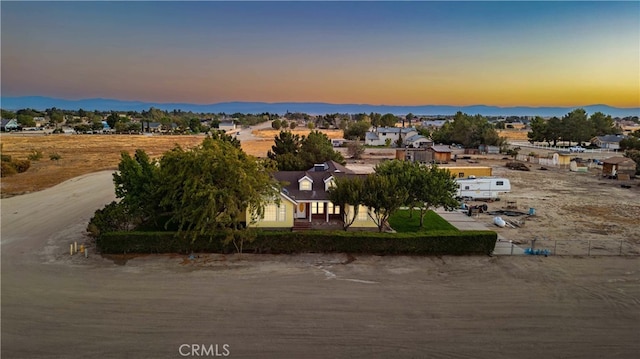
x,y
482,187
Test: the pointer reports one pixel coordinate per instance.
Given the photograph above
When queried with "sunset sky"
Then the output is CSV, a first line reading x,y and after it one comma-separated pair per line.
x,y
394,53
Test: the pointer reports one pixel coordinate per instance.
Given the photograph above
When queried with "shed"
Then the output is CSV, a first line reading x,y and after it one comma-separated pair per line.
x,y
466,171
441,153
421,155
578,167
613,166
486,149
562,158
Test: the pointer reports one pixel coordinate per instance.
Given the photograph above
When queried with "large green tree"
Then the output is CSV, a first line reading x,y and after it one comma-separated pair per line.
x,y
356,130
136,184
197,191
470,131
286,152
294,153
317,148
384,196
212,186
576,127
347,193
602,124
426,186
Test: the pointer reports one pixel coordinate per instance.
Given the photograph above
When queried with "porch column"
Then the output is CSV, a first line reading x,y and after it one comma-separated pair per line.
x,y
326,210
310,211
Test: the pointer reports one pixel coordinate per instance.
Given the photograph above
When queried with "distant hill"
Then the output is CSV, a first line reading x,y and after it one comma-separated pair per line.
x,y
41,103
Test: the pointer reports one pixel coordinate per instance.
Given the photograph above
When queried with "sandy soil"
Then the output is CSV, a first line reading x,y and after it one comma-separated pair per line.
x,y
311,306
584,208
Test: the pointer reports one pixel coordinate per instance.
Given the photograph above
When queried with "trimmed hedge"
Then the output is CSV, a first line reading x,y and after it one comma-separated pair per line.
x,y
280,242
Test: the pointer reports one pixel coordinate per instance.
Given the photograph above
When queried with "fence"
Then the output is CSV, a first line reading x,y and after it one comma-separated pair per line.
x,y
578,247
556,148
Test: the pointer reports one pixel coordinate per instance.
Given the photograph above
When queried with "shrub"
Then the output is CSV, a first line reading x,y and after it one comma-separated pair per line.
x,y
285,242
6,158
7,169
113,217
35,155
55,156
21,165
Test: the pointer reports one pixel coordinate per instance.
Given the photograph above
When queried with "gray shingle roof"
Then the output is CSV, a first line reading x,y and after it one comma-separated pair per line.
x,y
317,192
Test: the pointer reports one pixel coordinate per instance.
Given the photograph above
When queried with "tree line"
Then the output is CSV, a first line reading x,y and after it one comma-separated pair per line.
x,y
469,131
575,126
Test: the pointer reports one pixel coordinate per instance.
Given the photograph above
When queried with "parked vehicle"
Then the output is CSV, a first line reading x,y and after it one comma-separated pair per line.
x,y
489,188
576,149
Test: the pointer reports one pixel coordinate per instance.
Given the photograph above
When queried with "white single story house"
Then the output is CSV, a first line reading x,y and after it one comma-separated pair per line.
x,y
611,142
379,136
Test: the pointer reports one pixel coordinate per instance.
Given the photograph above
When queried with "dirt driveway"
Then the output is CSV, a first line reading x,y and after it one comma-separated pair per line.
x,y
311,306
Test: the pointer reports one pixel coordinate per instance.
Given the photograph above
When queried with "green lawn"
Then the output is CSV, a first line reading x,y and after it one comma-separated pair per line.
x,y
401,222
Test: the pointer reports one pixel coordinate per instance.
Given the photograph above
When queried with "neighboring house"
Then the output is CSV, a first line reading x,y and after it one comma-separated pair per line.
x,y
153,127
615,166
227,125
40,121
611,142
379,136
441,153
9,125
417,141
304,201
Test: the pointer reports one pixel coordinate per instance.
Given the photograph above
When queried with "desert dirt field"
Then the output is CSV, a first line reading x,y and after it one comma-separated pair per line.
x,y
55,305
82,154
568,205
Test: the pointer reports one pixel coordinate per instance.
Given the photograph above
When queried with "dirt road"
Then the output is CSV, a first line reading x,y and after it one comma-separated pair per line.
x,y
311,306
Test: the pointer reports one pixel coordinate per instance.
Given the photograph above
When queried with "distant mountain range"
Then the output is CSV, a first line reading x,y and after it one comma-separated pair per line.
x,y
41,103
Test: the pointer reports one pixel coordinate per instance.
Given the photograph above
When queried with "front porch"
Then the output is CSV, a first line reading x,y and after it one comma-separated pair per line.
x,y
317,215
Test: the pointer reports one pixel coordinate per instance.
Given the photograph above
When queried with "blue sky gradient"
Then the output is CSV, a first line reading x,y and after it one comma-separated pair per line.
x,y
396,53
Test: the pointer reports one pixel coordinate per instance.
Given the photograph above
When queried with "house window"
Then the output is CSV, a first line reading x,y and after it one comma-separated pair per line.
x,y
317,207
466,187
461,174
499,183
270,213
362,213
333,209
328,184
305,185
274,213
